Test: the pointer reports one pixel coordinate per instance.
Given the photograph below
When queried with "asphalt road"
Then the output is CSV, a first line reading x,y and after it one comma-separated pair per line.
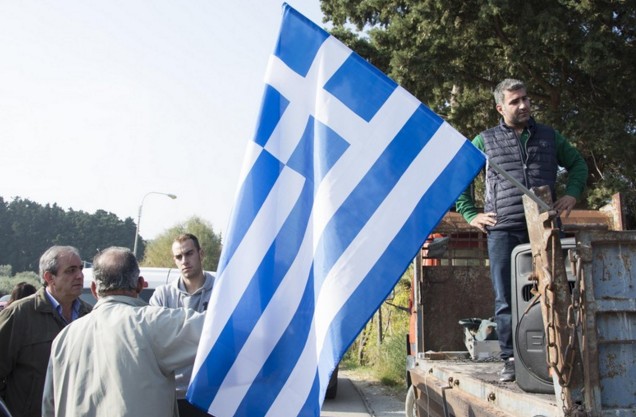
x,y
359,398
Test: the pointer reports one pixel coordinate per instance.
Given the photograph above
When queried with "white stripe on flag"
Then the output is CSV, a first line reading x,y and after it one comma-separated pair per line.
x,y
250,253
304,95
368,141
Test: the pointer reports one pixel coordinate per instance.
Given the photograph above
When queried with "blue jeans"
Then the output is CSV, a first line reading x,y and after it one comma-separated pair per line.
x,y
500,246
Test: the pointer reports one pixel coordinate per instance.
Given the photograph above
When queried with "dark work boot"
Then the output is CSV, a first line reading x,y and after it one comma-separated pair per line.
x,y
507,374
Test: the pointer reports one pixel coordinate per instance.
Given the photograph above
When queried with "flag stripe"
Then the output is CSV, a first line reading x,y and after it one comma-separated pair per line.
x,y
272,108
361,255
298,41
355,76
425,215
249,253
260,288
254,190
283,360
373,188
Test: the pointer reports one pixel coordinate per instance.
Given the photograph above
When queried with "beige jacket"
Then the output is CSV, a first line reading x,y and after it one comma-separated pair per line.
x,y
120,360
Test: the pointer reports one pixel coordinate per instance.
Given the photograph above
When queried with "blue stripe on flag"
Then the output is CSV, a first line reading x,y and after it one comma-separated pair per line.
x,y
299,41
319,145
360,86
404,247
262,286
253,192
283,359
309,408
374,187
272,108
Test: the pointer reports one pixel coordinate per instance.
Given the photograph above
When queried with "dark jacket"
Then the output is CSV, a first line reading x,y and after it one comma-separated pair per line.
x,y
27,329
533,165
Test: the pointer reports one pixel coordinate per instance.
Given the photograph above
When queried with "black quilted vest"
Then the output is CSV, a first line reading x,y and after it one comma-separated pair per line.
x,y
533,166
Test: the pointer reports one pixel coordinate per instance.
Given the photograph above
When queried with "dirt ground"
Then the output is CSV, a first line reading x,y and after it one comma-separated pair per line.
x,y
381,400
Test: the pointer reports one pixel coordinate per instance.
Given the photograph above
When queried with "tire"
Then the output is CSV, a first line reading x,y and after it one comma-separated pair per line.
x,y
332,388
4,411
410,405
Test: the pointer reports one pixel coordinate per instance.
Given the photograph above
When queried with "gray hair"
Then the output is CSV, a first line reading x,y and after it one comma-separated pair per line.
x,y
115,269
509,84
50,260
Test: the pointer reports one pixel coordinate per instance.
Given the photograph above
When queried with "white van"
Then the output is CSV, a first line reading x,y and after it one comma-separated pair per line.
x,y
153,276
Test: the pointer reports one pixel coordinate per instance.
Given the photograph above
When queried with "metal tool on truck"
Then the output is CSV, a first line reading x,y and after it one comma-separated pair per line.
x,y
589,350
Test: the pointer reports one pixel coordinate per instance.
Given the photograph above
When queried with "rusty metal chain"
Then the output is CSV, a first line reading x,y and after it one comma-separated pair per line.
x,y
575,320
562,363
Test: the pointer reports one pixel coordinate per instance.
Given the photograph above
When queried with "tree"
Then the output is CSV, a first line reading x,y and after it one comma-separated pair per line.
x,y
94,232
158,252
578,59
28,229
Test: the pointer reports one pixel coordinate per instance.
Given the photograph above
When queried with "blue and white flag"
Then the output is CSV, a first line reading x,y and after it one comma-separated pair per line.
x,y
346,176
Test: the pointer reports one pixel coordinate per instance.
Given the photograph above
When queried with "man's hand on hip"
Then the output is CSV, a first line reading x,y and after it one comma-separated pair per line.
x,y
484,219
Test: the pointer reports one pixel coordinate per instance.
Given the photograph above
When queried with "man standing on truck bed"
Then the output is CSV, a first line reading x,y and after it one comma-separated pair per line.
x,y
192,290
531,153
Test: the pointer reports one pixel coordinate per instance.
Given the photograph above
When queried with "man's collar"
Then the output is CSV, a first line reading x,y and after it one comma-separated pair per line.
x,y
75,307
530,125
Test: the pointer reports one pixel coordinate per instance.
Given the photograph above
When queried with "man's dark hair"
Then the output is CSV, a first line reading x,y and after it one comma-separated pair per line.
x,y
509,84
188,236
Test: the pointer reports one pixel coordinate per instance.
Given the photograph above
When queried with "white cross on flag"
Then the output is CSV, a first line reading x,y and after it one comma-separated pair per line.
x,y
346,176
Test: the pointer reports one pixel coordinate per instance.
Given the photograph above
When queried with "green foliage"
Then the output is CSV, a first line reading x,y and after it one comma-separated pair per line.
x,y
28,229
158,252
578,59
28,276
389,362
386,358
7,282
6,270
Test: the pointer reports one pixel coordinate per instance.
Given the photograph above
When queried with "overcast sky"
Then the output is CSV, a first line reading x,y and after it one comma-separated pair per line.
x,y
104,101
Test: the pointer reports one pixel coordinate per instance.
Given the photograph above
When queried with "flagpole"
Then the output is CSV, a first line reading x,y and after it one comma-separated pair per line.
x,y
542,204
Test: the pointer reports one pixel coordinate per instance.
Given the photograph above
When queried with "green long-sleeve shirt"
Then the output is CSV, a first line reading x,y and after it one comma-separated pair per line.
x,y
567,157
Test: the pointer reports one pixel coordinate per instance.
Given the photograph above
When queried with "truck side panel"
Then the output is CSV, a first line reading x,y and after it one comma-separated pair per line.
x,y
608,264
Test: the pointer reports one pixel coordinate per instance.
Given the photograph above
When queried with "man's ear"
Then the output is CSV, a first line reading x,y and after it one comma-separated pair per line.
x,y
141,284
499,108
94,290
48,277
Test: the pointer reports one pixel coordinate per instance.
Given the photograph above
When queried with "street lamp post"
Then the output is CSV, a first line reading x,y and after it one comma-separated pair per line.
x,y
172,196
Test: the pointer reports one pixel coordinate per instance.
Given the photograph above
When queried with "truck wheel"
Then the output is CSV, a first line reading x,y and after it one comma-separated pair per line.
x,y
332,388
410,406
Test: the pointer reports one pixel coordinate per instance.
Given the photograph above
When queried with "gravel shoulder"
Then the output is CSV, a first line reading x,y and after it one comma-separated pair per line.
x,y
380,400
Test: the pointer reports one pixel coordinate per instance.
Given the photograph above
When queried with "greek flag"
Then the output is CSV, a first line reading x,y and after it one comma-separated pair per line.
x,y
345,177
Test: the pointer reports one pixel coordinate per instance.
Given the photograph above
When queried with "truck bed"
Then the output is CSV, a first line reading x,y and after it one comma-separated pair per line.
x,y
472,388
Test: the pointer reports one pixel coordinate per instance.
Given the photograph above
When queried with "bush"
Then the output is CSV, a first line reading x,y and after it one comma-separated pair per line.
x,y
386,360
7,282
392,363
